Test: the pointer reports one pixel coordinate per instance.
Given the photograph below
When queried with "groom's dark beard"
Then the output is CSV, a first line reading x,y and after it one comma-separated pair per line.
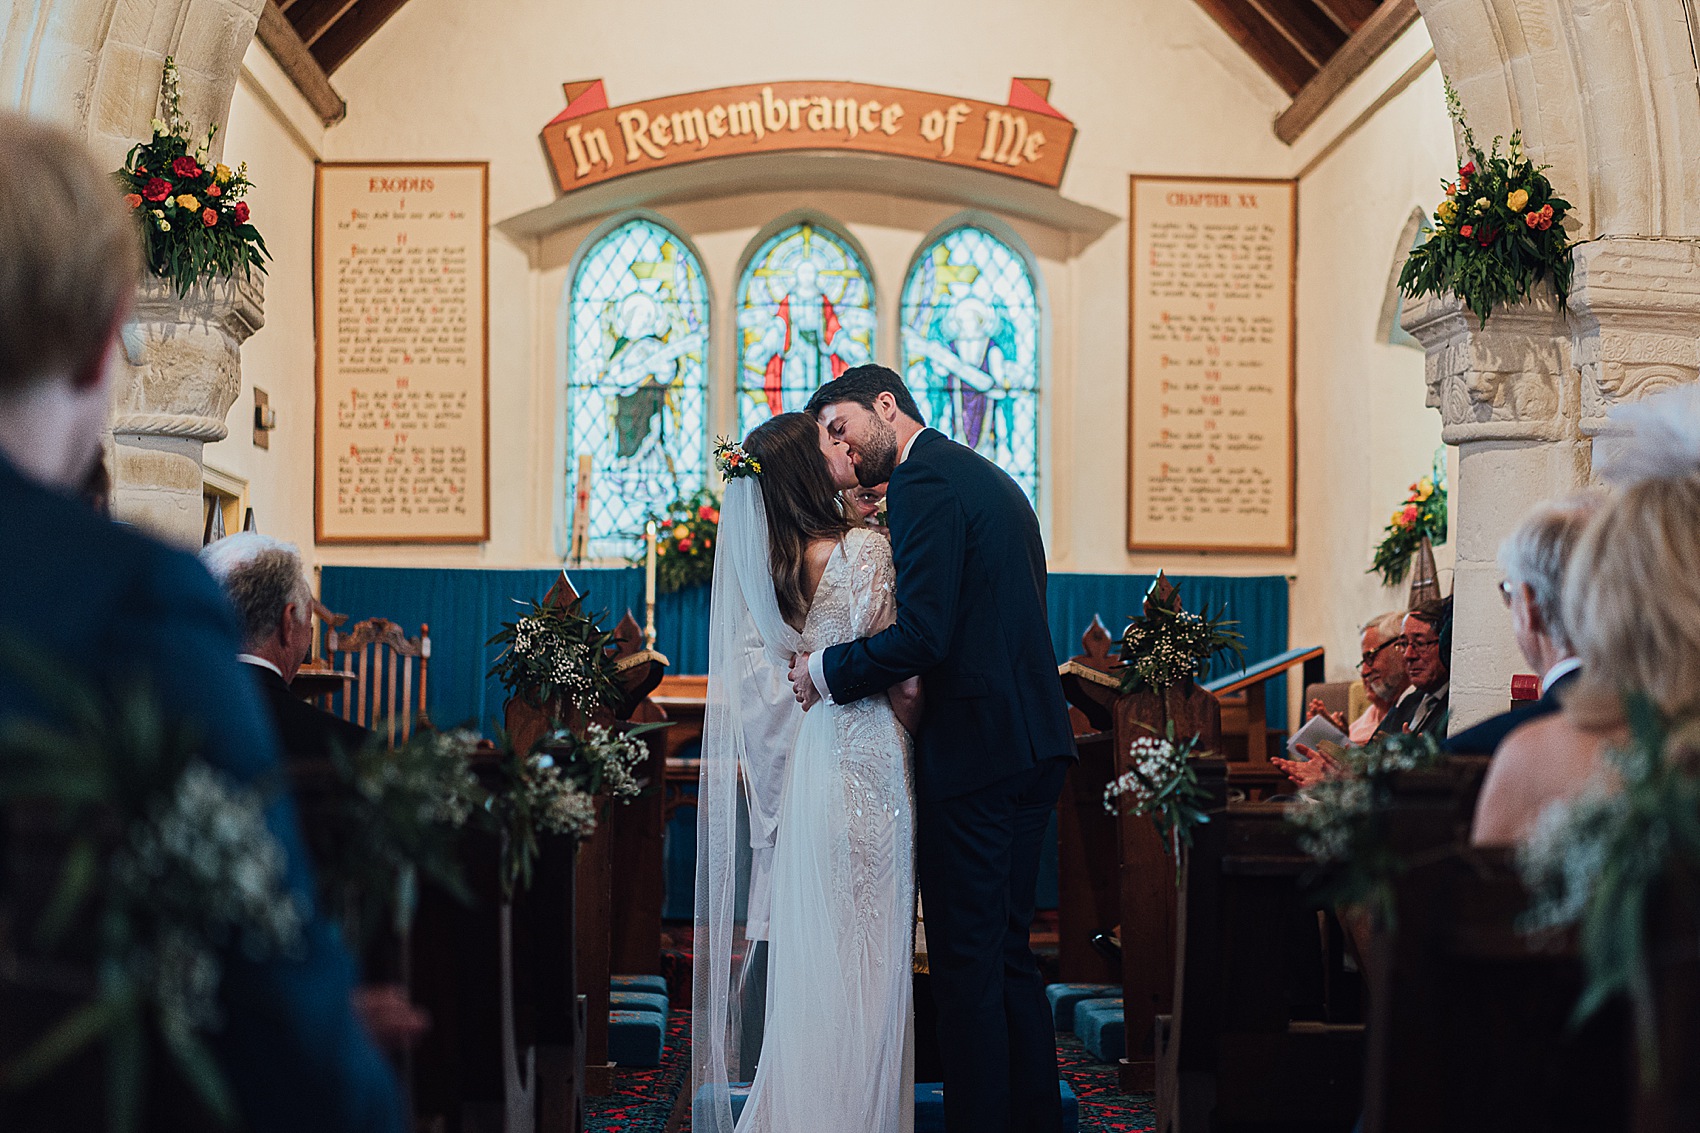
x,y
877,456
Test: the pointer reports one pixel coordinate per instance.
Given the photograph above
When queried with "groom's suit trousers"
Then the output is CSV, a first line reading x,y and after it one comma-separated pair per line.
x,y
978,856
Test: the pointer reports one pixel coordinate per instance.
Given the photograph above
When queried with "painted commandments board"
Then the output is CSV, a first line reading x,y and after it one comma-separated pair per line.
x,y
590,142
401,284
1210,398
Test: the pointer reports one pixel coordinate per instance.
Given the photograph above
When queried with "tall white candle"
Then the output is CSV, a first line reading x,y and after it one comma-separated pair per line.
x,y
649,583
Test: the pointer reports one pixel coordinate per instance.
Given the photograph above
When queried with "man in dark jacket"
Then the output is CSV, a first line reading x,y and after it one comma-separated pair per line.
x,y
113,606
994,742
1535,558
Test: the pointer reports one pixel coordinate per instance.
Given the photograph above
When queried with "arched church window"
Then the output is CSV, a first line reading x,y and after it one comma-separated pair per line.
x,y
805,315
970,348
637,379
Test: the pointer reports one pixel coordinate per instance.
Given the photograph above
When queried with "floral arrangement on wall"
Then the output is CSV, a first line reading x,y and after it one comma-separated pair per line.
x,y
1498,233
1421,516
194,223
685,534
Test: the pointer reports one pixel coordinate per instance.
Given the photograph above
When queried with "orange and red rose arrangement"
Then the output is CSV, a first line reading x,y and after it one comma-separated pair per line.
x,y
194,223
685,534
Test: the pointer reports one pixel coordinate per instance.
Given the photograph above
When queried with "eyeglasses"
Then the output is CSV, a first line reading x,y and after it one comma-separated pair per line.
x,y
1368,658
1418,644
1505,590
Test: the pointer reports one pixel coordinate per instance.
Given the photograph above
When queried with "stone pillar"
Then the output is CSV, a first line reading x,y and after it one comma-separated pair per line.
x,y
1510,399
176,400
1635,315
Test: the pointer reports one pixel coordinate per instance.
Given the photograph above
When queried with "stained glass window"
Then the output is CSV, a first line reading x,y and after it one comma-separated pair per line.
x,y
970,348
805,315
637,334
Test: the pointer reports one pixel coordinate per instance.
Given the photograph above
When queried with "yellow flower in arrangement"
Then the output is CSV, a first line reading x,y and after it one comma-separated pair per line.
x,y
221,173
1396,519
1517,199
188,202
1425,488
1447,212
681,531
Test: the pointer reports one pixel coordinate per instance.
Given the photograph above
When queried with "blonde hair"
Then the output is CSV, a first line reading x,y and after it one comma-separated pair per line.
x,y
70,255
1632,595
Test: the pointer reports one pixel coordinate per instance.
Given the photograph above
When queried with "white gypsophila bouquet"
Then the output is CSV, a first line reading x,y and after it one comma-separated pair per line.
x,y
430,776
1161,782
1340,819
1167,645
557,652
561,806
205,871
614,760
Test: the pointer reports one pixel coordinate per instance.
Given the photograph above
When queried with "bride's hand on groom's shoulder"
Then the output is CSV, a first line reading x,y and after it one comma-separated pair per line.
x,y
802,684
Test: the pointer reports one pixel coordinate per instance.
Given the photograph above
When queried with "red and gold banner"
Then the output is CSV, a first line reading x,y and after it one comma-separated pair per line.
x,y
591,142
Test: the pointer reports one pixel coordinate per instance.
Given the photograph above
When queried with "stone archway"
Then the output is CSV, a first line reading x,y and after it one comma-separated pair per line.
x,y
94,66
1606,93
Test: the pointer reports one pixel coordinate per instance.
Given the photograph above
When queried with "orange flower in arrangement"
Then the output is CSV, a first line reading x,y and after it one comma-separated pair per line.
x,y
1421,516
134,200
684,543
209,217
214,191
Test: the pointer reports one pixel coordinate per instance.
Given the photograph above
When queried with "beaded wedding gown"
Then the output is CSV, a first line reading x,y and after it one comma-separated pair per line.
x,y
835,1043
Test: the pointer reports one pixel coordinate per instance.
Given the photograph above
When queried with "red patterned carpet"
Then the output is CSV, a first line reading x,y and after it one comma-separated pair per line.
x,y
645,1101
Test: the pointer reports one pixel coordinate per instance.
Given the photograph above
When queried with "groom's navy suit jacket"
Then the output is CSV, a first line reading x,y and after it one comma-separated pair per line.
x,y
970,622
115,607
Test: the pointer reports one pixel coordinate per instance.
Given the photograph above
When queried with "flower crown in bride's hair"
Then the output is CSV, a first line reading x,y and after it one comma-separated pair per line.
x,y
733,460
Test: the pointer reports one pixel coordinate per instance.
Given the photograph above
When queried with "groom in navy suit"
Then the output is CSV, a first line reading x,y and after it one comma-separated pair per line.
x,y
994,743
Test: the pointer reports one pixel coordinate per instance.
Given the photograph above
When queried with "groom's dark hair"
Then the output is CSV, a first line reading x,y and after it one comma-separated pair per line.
x,y
862,384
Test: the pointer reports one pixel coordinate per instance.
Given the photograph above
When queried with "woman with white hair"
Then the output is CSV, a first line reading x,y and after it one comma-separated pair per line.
x,y
1632,607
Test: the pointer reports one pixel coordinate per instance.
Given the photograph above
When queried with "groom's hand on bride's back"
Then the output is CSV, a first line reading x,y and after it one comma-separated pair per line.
x,y
803,684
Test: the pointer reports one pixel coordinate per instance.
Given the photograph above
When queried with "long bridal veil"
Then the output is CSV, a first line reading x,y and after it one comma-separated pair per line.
x,y
749,726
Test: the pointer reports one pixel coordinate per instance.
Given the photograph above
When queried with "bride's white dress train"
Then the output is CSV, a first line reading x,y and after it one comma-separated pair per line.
x,y
835,1050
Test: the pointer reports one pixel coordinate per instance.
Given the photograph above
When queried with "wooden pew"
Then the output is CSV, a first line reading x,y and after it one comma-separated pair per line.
x,y
1088,883
1247,740
1253,1042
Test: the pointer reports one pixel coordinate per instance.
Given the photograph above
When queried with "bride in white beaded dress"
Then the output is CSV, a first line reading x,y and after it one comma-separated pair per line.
x,y
805,821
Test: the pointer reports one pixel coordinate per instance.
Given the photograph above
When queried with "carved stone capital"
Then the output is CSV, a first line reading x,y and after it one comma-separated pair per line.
x,y
1510,380
191,371
1635,316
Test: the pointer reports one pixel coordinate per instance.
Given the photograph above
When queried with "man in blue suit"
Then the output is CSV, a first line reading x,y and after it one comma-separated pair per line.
x,y
1535,558
994,743
115,607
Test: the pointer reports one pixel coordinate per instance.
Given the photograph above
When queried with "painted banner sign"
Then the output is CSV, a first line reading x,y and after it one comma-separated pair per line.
x,y
590,142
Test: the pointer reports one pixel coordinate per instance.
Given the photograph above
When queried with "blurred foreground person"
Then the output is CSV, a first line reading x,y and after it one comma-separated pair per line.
x,y
109,605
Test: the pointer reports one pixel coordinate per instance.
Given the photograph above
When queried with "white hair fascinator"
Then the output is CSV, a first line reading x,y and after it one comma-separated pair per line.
x,y
1657,438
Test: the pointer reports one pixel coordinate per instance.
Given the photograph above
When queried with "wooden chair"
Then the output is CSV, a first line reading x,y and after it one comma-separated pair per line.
x,y
382,657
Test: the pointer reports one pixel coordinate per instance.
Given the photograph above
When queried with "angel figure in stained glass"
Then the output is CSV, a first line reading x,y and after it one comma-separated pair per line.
x,y
970,350
643,370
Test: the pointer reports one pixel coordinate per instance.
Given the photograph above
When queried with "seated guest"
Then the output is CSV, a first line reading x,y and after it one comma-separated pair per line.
x,y
263,579
110,605
1631,607
1382,669
863,504
1426,641
1534,558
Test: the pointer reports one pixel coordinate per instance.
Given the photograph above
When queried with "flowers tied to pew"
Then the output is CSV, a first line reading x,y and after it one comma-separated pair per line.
x,y
1498,233
686,532
1167,645
1161,782
164,867
1343,826
194,222
1606,862
557,651
1421,516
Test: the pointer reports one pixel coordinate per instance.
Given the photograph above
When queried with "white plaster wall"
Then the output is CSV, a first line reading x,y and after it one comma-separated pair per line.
x,y
1364,432
1155,87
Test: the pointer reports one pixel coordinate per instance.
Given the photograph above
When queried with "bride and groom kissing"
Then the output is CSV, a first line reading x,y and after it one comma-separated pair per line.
x,y
878,713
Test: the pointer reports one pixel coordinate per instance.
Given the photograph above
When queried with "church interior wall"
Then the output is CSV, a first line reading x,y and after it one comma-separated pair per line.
x,y
1153,88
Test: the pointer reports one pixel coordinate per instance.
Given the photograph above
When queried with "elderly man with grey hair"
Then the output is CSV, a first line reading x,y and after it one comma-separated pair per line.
x,y
1381,667
264,581
1535,558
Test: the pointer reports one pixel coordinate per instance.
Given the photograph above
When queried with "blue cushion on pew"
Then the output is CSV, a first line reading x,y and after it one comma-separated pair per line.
x,y
1102,1026
637,1001
1064,997
635,1038
929,1105
656,984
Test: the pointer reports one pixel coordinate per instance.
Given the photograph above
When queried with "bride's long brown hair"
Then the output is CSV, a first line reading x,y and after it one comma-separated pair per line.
x,y
802,503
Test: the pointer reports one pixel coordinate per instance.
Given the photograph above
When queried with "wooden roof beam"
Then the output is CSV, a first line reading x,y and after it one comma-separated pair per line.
x,y
358,24
278,36
1267,44
1387,24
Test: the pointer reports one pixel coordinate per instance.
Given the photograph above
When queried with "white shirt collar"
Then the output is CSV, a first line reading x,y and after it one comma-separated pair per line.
x,y
904,455
1563,668
250,659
